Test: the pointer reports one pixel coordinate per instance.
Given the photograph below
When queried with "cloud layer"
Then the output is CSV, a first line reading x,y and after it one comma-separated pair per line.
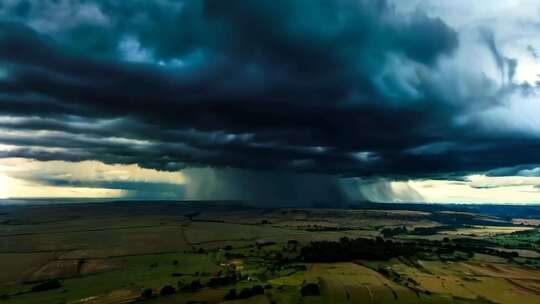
x,y
346,88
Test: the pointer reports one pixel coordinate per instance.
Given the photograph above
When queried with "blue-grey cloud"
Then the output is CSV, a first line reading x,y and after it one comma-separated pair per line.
x,y
339,88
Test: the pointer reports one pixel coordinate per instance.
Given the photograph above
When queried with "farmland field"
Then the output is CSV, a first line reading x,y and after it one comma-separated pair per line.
x,y
193,252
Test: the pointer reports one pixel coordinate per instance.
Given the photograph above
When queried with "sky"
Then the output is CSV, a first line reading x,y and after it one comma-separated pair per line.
x,y
282,101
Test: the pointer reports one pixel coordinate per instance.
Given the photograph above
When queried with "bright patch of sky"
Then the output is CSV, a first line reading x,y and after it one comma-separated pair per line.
x,y
25,178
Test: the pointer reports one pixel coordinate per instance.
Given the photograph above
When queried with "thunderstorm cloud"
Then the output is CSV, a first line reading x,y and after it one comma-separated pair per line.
x,y
271,100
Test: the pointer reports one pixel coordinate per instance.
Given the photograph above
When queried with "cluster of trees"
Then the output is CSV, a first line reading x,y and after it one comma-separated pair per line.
x,y
244,293
469,247
310,289
194,285
166,290
264,244
390,232
285,264
190,287
47,285
480,246
379,249
222,281
350,249
314,228
169,290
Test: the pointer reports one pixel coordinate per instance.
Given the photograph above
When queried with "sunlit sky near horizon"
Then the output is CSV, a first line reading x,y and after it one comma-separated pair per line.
x,y
354,100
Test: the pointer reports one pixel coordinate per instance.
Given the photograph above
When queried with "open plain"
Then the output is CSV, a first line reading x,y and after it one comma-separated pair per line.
x,y
196,252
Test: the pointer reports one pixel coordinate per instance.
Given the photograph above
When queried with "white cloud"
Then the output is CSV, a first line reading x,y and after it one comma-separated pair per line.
x,y
479,189
473,189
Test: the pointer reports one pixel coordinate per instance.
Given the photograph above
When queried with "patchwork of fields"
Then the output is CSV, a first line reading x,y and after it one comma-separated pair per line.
x,y
214,253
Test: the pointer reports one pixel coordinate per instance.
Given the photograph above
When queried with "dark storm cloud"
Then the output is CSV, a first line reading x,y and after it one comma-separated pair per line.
x,y
527,170
327,87
268,187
